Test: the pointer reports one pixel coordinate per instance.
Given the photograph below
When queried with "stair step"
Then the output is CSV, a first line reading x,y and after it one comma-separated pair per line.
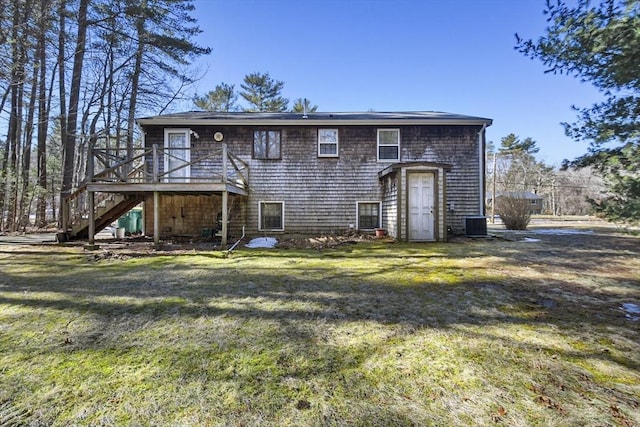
x,y
110,210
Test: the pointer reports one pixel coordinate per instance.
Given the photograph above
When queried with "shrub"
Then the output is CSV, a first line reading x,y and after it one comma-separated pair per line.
x,y
514,211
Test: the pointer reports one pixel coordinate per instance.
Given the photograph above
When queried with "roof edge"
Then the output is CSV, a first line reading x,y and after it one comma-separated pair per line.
x,y
205,118
151,121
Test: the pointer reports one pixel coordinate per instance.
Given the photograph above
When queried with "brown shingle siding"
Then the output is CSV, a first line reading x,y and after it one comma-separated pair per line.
x,y
320,194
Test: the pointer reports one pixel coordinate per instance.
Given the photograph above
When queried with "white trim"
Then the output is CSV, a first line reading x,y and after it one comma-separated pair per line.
x,y
337,143
358,203
378,145
187,169
260,227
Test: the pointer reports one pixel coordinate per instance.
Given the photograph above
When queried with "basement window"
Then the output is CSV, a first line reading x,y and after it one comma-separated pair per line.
x,y
327,142
266,144
388,145
271,216
368,214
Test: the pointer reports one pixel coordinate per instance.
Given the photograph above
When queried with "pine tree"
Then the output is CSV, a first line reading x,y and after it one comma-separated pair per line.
x,y
263,93
222,98
301,105
599,43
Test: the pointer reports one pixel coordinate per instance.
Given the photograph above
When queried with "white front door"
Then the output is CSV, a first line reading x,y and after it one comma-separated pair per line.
x,y
177,155
421,207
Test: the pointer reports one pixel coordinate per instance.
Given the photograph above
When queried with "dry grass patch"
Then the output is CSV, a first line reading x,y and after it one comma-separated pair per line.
x,y
474,332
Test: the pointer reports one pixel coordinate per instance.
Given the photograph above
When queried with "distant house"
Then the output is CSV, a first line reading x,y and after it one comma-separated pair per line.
x,y
414,174
535,201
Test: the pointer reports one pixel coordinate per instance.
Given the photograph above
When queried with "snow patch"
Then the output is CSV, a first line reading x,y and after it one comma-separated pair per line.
x,y
530,240
560,231
632,311
262,242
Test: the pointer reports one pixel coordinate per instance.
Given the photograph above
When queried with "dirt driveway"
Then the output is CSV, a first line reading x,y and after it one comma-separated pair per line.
x,y
27,239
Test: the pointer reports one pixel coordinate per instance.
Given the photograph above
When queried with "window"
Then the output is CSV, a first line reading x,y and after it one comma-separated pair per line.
x,y
389,145
368,215
266,144
327,142
271,215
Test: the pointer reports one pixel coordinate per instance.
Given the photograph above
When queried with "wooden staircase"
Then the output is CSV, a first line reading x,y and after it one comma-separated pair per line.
x,y
108,210
122,181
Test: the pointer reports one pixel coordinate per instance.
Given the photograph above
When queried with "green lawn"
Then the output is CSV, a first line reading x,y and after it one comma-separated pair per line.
x,y
473,332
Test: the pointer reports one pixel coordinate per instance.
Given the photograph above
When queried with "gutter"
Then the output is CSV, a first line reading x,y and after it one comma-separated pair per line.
x,y
308,122
481,167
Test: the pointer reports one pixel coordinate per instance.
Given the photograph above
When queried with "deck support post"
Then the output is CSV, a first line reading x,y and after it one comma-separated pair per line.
x,y
225,219
92,217
156,220
65,214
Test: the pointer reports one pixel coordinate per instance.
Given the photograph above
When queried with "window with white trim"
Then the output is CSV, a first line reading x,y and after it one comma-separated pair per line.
x,y
327,142
368,214
266,144
388,145
271,216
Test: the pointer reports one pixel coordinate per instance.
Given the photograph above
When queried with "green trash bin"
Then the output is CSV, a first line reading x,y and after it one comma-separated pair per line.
x,y
123,221
131,222
135,221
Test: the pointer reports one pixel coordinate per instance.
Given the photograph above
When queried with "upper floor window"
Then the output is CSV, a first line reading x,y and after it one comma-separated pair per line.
x,y
266,144
389,145
327,142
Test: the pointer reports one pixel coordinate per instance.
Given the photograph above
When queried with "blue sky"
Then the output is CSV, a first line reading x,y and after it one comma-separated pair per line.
x,y
442,55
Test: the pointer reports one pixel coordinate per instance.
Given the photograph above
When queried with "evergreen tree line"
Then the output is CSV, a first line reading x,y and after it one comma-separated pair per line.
x,y
260,93
74,74
513,169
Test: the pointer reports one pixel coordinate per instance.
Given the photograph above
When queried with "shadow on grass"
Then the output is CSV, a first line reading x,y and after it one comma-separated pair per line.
x,y
370,273
409,287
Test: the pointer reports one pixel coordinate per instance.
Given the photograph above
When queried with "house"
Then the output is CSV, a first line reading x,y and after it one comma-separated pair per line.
x,y
417,175
535,201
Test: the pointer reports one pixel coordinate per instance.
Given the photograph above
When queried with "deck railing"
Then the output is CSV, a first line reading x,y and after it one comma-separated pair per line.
x,y
149,165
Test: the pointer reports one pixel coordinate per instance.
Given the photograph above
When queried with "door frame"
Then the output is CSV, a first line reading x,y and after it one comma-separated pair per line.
x,y
436,206
187,133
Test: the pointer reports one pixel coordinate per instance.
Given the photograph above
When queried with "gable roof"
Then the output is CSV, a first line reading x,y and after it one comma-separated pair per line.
x,y
195,118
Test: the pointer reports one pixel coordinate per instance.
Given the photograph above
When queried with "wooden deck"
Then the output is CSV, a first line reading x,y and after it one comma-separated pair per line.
x,y
167,187
143,172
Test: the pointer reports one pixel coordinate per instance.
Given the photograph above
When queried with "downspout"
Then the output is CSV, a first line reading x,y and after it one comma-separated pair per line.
x,y
481,167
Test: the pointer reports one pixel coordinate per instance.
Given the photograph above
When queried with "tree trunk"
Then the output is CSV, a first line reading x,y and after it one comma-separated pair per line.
x,y
69,141
26,151
62,40
135,81
43,120
4,165
15,121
